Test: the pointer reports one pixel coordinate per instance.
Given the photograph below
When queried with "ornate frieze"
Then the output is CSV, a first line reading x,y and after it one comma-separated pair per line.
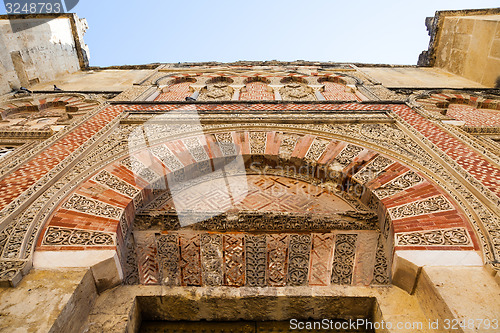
x,y
90,206
401,183
446,237
317,149
58,236
256,221
425,206
167,157
106,178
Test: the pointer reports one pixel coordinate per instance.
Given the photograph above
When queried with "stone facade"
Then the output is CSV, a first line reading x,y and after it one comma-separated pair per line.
x,y
252,180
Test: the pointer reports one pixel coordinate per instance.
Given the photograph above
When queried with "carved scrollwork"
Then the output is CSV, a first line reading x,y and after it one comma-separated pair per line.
x,y
64,236
426,206
258,142
255,248
288,143
90,206
168,254
317,149
373,169
348,154
211,259
296,91
298,260
343,260
448,237
401,183
106,178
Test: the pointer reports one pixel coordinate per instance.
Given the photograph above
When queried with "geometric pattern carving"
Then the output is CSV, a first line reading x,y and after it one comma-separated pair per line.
x,y
211,259
401,183
450,237
191,258
255,250
298,259
425,206
277,254
234,260
343,260
190,262
168,255
321,259
66,236
129,263
89,206
147,259
373,169
106,178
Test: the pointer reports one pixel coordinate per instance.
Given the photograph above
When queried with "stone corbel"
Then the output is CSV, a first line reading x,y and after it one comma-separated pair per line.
x,y
236,91
276,88
196,91
318,89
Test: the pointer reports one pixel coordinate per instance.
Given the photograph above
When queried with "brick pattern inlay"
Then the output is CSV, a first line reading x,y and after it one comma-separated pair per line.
x,y
256,91
175,92
190,258
471,161
18,181
337,92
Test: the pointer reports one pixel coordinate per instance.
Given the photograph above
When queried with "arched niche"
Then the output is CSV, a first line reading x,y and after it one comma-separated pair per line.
x,y
337,88
256,88
176,90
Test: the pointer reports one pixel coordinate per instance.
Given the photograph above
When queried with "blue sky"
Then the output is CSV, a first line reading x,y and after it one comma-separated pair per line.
x,y
139,32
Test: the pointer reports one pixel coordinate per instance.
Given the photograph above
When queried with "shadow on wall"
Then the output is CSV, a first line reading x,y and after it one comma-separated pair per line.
x,y
497,83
